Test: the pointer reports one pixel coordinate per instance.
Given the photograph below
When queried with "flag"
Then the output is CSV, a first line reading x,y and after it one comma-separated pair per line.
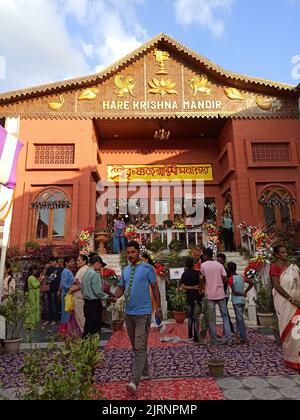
x,y
10,148
6,201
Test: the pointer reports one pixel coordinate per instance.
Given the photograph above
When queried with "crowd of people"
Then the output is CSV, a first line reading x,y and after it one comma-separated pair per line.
x,y
207,282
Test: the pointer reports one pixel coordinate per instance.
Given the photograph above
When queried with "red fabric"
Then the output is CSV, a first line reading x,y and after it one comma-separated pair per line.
x,y
230,281
177,389
120,340
276,270
289,327
292,365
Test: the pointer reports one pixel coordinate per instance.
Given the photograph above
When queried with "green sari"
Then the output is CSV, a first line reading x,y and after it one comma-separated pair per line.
x,y
33,299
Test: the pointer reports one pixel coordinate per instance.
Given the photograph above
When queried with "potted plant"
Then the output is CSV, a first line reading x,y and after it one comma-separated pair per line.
x,y
118,313
264,305
215,363
14,310
178,302
176,245
101,236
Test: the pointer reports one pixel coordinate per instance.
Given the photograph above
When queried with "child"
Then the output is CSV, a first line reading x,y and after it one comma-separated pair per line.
x,y
236,282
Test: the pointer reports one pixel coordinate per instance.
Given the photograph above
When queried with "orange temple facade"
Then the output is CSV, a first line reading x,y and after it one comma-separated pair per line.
x,y
160,112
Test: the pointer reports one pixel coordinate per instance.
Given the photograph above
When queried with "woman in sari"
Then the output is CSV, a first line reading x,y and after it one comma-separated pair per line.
x,y
77,319
119,239
286,293
32,291
66,281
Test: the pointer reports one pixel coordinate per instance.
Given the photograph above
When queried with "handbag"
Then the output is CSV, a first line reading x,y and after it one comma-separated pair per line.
x,y
69,302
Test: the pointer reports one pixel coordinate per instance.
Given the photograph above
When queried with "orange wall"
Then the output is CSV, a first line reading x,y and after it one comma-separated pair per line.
x,y
244,183
76,182
251,180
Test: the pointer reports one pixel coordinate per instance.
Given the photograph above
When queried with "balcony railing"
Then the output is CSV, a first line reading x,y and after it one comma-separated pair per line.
x,y
197,236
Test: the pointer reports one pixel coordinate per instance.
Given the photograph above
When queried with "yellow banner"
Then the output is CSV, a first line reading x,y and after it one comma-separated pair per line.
x,y
125,173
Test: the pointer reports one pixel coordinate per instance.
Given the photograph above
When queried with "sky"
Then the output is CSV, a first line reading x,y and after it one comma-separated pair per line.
x,y
45,41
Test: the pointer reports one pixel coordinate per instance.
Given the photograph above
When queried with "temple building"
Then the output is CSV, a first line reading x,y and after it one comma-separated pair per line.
x,y
161,113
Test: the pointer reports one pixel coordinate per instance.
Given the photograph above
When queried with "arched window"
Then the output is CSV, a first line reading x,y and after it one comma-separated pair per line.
x,y
278,207
50,215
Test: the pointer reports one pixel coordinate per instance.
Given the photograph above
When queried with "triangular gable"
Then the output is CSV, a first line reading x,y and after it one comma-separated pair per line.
x,y
161,78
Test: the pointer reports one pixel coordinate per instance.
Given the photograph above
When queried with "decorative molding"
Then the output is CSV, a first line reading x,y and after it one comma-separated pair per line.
x,y
153,43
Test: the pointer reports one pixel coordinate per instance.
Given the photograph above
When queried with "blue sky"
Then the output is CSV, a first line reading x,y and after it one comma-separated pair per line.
x,y
49,40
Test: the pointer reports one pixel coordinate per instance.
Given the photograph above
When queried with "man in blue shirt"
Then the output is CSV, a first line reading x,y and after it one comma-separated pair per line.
x,y
135,281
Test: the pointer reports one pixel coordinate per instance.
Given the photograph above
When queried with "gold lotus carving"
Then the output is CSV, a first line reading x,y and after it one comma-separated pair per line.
x,y
55,106
200,84
267,104
161,57
124,86
162,87
89,94
233,94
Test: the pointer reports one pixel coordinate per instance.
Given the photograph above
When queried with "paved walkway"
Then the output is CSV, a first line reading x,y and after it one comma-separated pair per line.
x,y
256,372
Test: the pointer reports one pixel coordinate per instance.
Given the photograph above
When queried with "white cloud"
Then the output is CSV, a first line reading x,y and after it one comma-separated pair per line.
x,y
207,13
36,45
48,40
111,25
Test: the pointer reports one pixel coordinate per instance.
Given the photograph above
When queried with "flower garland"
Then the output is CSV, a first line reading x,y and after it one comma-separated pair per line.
x,y
83,240
179,225
263,242
213,236
131,232
277,201
40,205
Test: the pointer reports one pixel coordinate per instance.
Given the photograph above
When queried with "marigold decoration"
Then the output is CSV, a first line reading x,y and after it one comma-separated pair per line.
x,y
83,241
130,232
179,226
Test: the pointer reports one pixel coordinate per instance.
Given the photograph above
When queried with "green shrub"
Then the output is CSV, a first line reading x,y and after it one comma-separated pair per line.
x,y
156,245
62,373
177,298
176,245
29,246
264,300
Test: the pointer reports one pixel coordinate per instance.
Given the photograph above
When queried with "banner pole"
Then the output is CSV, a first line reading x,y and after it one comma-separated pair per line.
x,y
5,242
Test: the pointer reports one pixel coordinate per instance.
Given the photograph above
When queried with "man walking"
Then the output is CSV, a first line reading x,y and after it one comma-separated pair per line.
x,y
214,276
134,282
